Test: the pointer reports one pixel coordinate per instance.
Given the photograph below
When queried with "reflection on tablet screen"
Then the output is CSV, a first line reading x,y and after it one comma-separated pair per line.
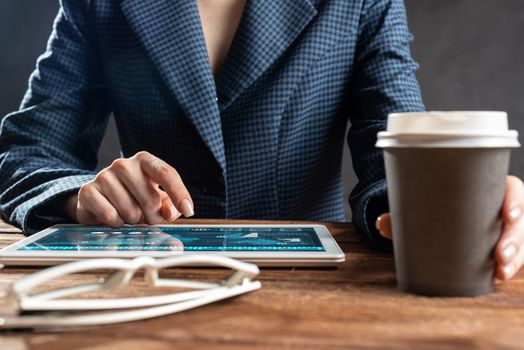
x,y
179,239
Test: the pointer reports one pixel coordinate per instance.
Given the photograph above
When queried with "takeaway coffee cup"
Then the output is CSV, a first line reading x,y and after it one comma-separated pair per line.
x,y
446,179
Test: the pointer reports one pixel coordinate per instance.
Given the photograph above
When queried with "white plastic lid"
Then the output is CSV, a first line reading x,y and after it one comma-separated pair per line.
x,y
448,129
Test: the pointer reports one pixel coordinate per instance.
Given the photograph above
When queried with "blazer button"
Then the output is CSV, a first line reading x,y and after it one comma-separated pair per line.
x,y
213,185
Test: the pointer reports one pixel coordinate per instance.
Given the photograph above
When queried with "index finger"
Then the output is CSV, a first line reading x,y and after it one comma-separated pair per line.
x,y
166,176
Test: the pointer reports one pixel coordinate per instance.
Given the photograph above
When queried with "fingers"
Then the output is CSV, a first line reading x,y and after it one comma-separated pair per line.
x,y
163,174
513,200
383,225
128,192
94,208
141,188
506,271
511,242
119,197
509,252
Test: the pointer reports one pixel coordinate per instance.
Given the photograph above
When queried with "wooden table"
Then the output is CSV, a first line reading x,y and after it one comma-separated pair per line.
x,y
356,305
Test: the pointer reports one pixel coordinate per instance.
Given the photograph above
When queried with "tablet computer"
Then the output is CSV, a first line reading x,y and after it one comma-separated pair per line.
x,y
265,245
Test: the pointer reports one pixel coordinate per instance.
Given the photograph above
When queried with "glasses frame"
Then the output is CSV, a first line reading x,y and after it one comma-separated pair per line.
x,y
18,297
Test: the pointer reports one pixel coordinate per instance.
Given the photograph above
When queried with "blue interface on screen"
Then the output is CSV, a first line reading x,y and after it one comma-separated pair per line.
x,y
179,239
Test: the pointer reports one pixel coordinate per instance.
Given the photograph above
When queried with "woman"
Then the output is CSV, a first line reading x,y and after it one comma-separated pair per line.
x,y
225,109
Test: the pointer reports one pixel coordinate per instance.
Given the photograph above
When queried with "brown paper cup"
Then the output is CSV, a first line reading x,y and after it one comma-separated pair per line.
x,y
445,205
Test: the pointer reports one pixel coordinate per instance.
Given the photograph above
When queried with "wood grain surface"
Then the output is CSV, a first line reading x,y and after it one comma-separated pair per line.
x,y
354,306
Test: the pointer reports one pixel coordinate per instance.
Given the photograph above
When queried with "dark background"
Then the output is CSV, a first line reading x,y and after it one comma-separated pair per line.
x,y
471,54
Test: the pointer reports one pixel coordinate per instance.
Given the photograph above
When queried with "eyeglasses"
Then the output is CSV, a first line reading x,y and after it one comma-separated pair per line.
x,y
68,312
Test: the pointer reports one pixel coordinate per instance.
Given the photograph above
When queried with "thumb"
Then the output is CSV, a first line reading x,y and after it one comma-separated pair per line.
x,y
383,225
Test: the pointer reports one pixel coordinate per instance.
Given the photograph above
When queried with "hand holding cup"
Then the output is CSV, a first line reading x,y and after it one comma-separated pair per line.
x,y
509,251
447,187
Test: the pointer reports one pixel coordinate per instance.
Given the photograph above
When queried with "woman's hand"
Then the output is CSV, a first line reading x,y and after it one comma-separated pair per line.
x,y
509,251
127,192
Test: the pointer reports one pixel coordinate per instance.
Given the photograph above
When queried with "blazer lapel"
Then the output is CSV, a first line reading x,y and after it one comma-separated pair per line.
x,y
267,28
171,33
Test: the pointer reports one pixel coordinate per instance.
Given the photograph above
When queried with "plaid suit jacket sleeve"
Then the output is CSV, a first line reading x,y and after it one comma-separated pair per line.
x,y
384,82
49,147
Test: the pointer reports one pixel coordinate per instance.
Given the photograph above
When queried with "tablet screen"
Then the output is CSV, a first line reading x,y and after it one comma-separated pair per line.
x,y
181,238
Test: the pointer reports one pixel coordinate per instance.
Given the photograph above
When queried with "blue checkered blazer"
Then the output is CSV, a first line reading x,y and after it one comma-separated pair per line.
x,y
262,141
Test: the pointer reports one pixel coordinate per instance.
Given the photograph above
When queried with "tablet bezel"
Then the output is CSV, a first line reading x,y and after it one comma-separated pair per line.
x,y
332,254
